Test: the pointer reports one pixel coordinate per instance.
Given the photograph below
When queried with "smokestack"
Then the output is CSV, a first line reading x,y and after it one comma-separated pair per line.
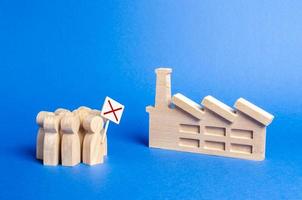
x,y
163,87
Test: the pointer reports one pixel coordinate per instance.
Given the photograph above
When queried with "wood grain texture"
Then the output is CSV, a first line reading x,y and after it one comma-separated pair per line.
x,y
70,147
219,108
93,149
188,105
51,150
61,134
40,136
215,129
82,112
254,111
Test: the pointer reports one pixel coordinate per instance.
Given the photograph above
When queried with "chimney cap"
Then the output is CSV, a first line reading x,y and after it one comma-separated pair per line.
x,y
163,70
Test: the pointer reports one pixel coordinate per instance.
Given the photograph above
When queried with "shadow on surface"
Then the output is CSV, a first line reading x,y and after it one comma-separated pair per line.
x,y
141,139
27,153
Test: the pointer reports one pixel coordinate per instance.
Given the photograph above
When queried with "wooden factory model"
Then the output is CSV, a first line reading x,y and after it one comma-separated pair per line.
x,y
178,123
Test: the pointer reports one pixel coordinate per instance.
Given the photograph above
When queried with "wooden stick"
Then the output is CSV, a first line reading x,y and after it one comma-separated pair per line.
x,y
105,131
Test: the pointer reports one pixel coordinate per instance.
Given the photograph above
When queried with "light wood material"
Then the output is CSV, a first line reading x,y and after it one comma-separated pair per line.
x,y
60,134
70,148
254,112
104,145
40,136
61,111
84,108
188,105
163,87
82,112
95,112
104,133
216,130
219,108
93,149
51,144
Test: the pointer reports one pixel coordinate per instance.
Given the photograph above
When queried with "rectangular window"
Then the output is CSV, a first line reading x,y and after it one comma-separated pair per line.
x,y
188,128
217,146
215,131
187,142
241,148
243,134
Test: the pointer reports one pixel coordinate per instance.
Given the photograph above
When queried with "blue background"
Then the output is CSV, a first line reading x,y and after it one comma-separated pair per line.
x,y
63,53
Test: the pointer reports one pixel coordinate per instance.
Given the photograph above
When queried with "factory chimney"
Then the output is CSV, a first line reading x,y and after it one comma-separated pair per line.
x,y
163,87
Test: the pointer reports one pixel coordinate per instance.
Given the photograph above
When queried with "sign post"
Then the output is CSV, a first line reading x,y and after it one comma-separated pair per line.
x,y
112,111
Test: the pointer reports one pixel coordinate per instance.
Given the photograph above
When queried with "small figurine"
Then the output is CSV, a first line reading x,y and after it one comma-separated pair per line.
x,y
93,151
71,146
71,137
51,151
40,136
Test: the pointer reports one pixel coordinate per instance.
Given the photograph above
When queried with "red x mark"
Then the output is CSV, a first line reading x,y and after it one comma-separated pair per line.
x,y
112,110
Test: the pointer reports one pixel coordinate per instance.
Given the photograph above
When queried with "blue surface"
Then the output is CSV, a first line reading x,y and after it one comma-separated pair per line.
x,y
72,53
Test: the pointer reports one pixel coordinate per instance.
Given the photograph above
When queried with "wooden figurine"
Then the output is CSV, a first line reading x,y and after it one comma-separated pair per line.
x,y
104,136
93,149
70,147
51,144
61,111
95,112
61,133
82,112
178,123
40,136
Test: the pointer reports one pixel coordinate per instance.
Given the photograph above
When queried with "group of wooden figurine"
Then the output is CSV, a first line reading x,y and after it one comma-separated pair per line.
x,y
71,137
